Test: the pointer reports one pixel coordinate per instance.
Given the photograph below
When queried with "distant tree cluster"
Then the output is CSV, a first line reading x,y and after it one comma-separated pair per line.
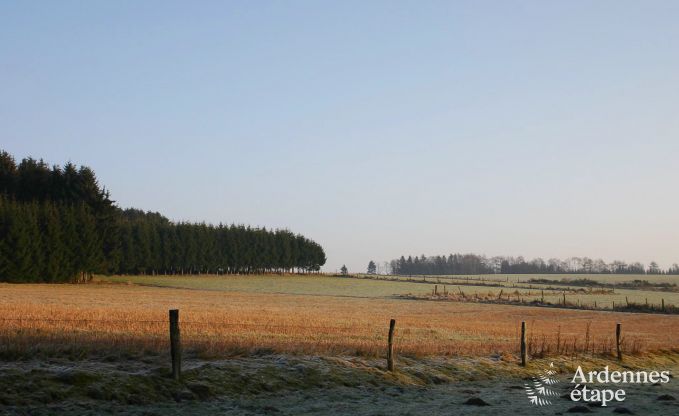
x,y
453,264
478,264
151,244
58,225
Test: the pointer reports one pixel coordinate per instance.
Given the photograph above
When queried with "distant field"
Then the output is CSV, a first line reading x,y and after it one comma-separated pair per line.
x,y
493,284
337,286
291,285
610,278
315,315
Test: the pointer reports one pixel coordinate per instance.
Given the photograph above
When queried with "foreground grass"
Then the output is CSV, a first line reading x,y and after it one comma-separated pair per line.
x,y
145,379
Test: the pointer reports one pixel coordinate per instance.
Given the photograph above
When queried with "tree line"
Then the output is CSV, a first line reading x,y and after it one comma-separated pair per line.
x,y
151,244
57,224
479,264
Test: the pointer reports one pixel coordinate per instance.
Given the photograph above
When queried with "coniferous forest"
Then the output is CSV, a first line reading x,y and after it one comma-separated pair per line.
x,y
57,224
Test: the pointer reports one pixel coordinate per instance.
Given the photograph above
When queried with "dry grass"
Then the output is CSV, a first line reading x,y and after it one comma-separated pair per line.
x,y
132,318
372,287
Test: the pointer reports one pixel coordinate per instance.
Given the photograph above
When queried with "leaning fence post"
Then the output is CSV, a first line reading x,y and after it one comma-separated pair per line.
x,y
617,340
390,346
523,343
175,344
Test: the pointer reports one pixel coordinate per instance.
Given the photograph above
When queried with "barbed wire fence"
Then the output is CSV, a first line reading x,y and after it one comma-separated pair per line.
x,y
185,333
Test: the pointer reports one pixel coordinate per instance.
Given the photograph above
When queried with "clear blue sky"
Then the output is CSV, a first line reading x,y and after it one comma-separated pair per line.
x,y
546,128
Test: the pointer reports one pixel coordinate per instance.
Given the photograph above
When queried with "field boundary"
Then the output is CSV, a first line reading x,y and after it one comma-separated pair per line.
x,y
627,307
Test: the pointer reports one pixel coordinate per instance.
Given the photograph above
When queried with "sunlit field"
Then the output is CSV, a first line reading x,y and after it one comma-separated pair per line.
x,y
222,316
524,287
489,286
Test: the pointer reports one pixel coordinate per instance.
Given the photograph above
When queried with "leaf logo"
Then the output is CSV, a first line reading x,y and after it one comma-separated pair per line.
x,y
540,391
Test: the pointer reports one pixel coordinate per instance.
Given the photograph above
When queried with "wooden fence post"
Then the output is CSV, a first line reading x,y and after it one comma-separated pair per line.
x,y
617,340
523,344
175,344
390,347
663,304
542,298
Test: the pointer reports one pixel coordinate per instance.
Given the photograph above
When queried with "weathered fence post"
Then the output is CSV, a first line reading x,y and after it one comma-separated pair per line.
x,y
523,344
390,348
564,298
175,344
542,298
617,340
663,304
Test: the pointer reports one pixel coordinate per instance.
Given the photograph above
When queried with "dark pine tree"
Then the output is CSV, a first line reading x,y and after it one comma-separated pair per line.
x,y
372,268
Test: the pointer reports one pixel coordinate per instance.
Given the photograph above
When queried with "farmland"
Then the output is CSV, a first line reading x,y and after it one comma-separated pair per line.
x,y
372,286
581,290
256,343
302,314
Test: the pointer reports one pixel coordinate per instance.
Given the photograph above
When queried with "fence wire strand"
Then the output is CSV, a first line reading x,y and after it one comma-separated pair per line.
x,y
197,323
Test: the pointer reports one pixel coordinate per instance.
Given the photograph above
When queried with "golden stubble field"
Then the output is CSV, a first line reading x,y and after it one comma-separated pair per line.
x,y
221,322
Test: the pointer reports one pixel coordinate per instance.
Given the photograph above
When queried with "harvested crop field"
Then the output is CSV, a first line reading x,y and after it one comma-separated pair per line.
x,y
300,346
220,322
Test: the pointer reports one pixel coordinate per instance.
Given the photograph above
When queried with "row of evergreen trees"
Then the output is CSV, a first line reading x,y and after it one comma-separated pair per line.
x,y
478,264
151,244
48,242
58,225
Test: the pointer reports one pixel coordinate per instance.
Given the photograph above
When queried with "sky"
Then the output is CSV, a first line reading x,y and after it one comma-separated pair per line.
x,y
376,128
